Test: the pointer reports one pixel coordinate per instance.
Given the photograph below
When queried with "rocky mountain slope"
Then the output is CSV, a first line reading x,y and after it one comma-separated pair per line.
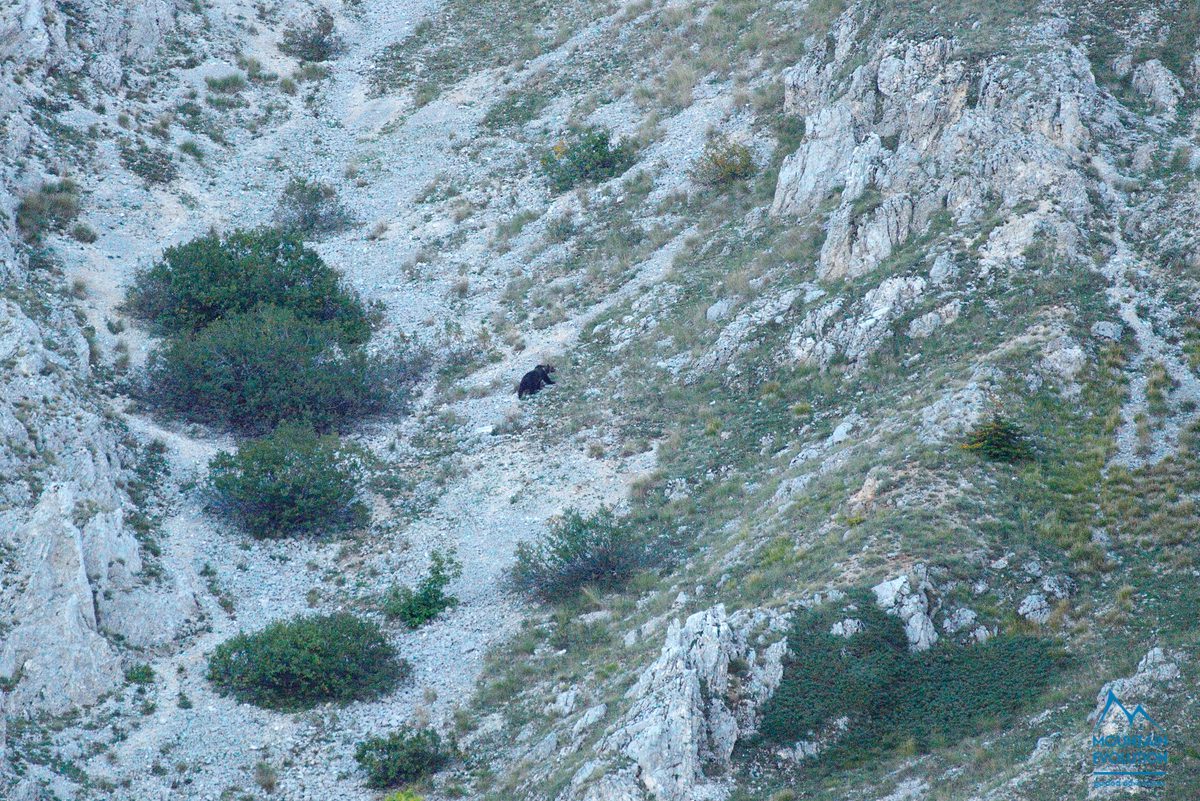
x,y
944,215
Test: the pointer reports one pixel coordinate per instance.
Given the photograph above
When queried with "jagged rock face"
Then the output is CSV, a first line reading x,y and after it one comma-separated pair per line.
x,y
692,705
56,651
47,34
929,132
76,582
77,573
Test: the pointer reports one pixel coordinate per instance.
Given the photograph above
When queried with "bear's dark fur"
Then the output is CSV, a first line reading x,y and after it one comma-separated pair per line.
x,y
534,380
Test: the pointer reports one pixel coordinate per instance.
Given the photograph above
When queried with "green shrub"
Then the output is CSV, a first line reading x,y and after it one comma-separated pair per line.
x,y
403,756
299,663
311,42
253,371
724,162
591,156
292,481
578,551
214,276
311,207
1000,440
140,674
893,698
50,208
417,607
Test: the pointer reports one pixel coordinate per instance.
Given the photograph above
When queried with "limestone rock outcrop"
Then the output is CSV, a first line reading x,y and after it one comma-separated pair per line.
x,y
693,704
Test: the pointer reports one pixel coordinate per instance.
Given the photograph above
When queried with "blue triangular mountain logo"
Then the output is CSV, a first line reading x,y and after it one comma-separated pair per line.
x,y
1138,713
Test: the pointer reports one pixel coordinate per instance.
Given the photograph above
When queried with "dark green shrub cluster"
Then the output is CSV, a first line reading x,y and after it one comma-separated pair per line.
x,y
578,551
312,208
315,41
403,756
293,481
299,663
1000,440
895,699
724,162
214,276
416,607
50,208
591,156
252,371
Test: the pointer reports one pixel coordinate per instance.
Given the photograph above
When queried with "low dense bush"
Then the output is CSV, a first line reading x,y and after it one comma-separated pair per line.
x,y
293,481
312,208
416,607
895,699
51,208
403,756
214,276
253,371
311,41
590,156
299,663
1000,440
724,162
578,551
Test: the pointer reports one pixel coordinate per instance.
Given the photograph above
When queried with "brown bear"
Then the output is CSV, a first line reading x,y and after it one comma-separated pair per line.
x,y
534,380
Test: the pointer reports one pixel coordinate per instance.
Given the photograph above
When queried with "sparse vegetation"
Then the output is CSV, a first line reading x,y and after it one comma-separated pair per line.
x,y
229,84
299,663
51,208
589,156
311,208
82,232
292,481
403,756
215,276
578,551
416,607
316,40
140,674
152,164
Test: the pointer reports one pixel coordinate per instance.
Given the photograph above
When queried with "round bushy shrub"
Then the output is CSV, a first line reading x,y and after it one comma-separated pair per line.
x,y
253,371
578,551
403,756
590,156
299,663
724,162
293,481
215,276
312,208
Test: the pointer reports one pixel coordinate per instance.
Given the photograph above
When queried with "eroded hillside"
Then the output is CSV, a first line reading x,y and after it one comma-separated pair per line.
x,y
822,248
